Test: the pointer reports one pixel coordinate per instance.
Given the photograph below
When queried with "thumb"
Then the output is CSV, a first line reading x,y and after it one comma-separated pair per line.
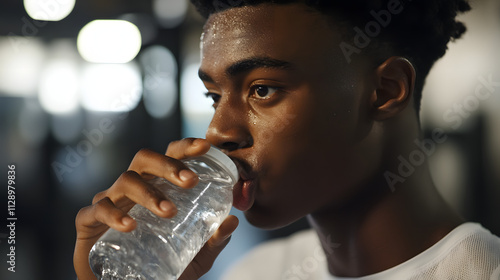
x,y
205,258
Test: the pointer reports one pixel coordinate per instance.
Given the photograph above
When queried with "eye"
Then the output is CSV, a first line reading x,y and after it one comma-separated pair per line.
x,y
263,92
215,97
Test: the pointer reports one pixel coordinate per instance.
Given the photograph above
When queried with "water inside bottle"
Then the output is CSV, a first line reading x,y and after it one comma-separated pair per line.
x,y
174,241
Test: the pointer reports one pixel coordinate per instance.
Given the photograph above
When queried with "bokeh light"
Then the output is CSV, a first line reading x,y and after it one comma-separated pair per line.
x,y
111,87
59,87
49,10
109,41
170,13
21,59
160,88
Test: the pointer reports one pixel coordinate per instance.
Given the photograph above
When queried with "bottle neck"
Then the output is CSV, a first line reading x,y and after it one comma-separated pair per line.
x,y
209,168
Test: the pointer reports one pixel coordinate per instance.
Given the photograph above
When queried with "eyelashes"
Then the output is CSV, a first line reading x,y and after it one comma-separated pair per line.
x,y
215,97
257,92
264,92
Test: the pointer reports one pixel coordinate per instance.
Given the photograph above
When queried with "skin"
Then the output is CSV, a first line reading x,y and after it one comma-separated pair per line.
x,y
313,136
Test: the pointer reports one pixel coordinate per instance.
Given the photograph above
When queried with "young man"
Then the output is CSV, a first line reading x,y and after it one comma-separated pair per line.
x,y
315,101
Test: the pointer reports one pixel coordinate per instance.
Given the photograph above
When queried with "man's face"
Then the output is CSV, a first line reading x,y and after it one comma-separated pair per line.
x,y
289,109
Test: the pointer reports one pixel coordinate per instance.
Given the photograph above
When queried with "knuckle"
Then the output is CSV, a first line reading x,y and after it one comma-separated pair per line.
x,y
173,143
79,216
139,157
179,143
172,146
103,210
188,140
142,155
143,152
99,196
170,166
172,162
128,176
101,205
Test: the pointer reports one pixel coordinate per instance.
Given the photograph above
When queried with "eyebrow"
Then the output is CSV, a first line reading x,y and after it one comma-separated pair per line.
x,y
247,65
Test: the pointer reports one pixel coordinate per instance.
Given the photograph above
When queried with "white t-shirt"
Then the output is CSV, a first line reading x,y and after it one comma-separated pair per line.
x,y
469,252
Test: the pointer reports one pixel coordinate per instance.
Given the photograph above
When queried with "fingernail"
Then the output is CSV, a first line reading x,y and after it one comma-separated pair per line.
x,y
127,221
187,175
165,206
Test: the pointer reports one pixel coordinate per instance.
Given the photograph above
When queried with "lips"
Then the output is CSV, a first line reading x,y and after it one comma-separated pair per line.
x,y
243,195
244,190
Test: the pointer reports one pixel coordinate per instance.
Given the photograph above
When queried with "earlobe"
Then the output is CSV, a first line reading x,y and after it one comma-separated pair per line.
x,y
395,82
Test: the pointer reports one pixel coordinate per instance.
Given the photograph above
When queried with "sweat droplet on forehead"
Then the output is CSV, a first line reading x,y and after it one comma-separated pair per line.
x,y
284,27
238,22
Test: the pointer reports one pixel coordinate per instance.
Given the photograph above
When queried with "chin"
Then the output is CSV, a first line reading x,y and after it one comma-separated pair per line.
x,y
267,220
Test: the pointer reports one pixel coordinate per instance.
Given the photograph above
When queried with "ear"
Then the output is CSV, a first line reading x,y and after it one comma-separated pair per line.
x,y
395,80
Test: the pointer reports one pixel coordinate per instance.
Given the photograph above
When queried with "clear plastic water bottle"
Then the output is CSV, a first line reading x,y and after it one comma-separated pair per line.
x,y
161,248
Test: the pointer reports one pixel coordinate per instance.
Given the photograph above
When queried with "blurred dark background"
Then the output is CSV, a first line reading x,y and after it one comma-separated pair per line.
x,y
71,127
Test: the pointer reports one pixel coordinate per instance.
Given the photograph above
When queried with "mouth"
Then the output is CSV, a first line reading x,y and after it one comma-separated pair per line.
x,y
244,190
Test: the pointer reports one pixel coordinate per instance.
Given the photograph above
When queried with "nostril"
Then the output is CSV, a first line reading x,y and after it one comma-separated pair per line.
x,y
231,146
228,135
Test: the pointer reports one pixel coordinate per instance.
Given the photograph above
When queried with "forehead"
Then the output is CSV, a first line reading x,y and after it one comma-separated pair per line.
x,y
280,31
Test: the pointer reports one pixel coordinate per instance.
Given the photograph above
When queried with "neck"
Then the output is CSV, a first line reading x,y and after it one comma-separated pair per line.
x,y
384,228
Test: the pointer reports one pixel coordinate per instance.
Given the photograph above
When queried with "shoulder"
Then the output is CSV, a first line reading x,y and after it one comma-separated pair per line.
x,y
468,252
281,257
476,252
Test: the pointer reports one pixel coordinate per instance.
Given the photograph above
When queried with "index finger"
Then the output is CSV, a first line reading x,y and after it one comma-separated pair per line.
x,y
188,147
147,162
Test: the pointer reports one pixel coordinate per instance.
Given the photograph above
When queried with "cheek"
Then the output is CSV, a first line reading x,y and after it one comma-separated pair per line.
x,y
309,157
290,158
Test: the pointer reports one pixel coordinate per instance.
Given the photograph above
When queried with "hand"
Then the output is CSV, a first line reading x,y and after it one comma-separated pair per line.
x,y
109,208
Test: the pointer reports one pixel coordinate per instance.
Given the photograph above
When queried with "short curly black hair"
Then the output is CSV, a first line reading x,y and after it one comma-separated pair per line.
x,y
420,32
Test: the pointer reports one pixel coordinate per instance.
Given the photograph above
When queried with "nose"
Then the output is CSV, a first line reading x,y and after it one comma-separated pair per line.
x,y
228,129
